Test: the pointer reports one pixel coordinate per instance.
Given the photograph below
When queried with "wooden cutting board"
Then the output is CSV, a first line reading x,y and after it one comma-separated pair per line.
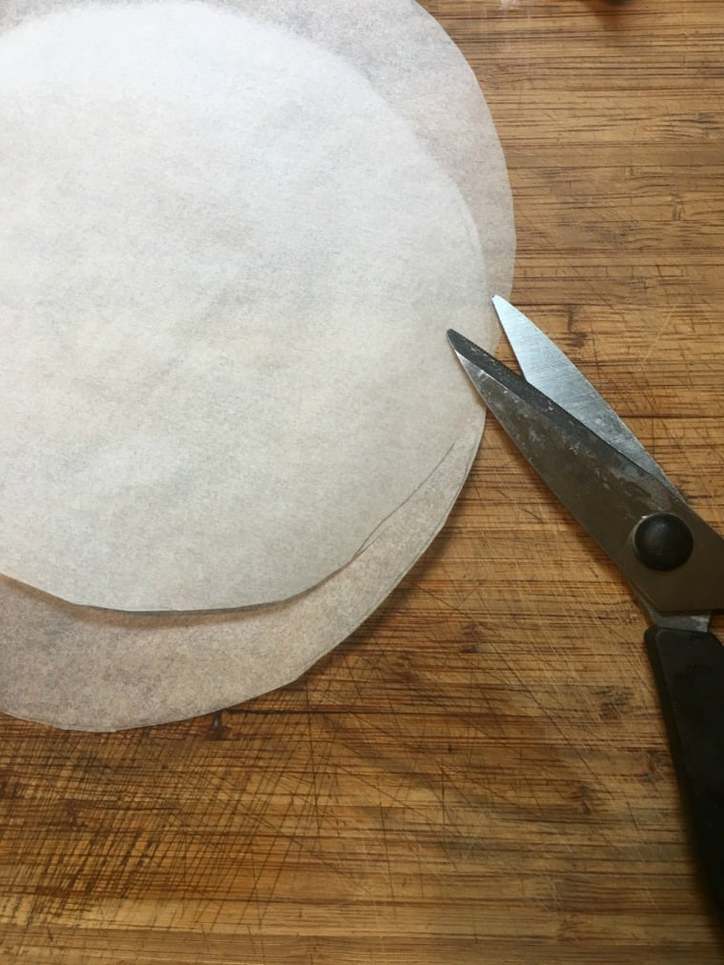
x,y
480,775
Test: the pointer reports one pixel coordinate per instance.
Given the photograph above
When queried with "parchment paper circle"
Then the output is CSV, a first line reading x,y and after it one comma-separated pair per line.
x,y
63,664
226,265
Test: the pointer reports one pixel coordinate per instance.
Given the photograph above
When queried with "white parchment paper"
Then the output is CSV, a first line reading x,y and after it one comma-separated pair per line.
x,y
226,269
82,669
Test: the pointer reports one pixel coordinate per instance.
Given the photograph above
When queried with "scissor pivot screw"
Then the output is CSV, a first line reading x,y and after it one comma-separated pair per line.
x,y
663,541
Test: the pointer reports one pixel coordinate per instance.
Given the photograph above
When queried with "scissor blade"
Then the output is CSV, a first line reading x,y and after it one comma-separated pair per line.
x,y
605,491
548,369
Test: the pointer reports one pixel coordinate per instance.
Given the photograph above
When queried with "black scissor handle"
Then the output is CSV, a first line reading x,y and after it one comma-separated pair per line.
x,y
689,672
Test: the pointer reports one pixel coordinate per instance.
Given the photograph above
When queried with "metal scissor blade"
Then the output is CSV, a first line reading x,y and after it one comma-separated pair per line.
x,y
548,369
607,493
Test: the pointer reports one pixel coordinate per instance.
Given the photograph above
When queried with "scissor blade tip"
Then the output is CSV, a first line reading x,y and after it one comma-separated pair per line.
x,y
504,310
472,357
463,347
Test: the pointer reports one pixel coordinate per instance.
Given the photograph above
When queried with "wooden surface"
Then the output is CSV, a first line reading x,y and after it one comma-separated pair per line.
x,y
479,775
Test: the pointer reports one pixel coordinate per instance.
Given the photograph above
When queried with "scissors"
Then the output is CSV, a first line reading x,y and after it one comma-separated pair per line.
x,y
672,559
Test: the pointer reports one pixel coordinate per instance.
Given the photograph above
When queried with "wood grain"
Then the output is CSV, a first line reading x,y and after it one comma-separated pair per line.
x,y
480,775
